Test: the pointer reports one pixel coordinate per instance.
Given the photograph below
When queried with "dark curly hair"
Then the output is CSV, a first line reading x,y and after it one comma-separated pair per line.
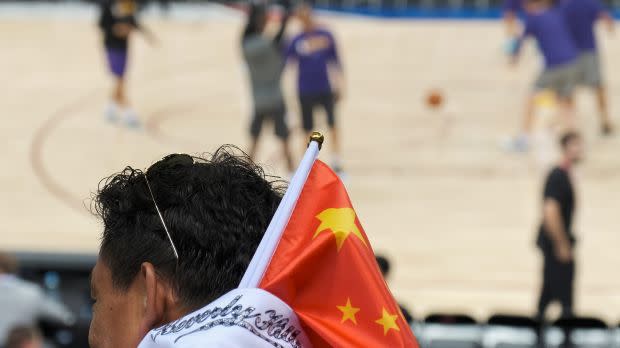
x,y
216,209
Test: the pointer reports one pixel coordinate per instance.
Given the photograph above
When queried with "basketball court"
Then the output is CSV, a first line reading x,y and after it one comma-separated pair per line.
x,y
433,188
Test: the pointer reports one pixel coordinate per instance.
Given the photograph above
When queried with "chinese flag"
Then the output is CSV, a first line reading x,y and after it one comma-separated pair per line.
x,y
325,269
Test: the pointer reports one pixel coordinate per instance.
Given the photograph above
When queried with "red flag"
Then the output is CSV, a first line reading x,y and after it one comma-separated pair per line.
x,y
325,269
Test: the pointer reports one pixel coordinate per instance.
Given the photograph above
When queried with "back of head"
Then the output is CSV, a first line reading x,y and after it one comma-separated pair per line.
x,y
23,337
567,138
384,265
216,209
8,264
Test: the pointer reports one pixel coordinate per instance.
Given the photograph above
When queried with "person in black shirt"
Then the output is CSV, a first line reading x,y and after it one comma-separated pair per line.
x,y
384,266
555,237
117,23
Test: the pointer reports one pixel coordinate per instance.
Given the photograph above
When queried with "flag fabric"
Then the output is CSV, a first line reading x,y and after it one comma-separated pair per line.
x,y
324,268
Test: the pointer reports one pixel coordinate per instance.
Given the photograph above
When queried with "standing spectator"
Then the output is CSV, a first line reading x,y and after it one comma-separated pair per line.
x,y
384,266
555,238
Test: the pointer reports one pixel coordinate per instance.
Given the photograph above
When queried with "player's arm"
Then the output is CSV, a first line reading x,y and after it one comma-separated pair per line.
x,y
336,71
608,21
510,22
555,230
279,38
145,31
54,311
515,51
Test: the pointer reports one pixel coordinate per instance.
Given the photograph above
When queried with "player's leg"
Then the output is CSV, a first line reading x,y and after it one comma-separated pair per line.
x,y
521,143
307,104
564,84
328,103
282,132
592,76
256,126
116,103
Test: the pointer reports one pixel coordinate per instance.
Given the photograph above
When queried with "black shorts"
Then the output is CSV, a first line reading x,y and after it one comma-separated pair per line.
x,y
310,102
277,114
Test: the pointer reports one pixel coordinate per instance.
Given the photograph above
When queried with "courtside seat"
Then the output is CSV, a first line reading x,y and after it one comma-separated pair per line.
x,y
451,331
581,332
616,336
510,331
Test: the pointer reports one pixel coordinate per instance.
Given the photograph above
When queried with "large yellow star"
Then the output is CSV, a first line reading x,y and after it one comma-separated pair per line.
x,y
341,221
348,312
388,321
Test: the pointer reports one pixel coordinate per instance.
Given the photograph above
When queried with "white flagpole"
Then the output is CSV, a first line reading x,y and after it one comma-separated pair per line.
x,y
267,247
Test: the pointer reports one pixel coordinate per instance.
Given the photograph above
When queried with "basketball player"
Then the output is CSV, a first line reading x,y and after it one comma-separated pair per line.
x,y
118,22
320,76
176,242
555,237
547,25
581,16
265,61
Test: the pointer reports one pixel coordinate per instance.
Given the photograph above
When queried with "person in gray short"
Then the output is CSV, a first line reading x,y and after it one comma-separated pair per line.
x,y
581,16
561,80
265,61
545,23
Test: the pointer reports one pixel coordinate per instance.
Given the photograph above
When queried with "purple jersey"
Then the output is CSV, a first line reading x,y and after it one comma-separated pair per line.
x,y
550,30
514,6
313,51
580,16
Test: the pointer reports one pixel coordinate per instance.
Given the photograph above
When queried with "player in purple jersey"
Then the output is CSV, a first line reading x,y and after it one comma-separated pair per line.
x,y
581,17
545,23
320,77
117,22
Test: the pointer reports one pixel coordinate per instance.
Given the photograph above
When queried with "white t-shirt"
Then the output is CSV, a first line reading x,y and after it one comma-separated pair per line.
x,y
23,303
241,318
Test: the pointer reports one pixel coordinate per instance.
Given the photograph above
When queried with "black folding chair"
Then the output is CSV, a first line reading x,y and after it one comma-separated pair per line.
x,y
579,332
451,331
511,331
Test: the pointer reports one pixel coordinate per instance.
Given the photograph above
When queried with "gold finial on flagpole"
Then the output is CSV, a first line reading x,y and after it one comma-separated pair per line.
x,y
318,137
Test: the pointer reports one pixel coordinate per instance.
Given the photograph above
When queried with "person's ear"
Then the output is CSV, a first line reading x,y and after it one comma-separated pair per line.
x,y
154,298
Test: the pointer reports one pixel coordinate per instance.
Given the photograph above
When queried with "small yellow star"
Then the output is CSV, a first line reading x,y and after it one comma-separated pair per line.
x,y
388,321
348,312
341,221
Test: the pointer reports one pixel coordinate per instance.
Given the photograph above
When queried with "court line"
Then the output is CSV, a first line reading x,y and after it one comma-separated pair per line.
x,y
38,144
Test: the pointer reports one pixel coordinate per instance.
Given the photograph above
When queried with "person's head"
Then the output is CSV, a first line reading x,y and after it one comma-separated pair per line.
x,y
8,264
303,12
24,337
384,265
216,210
572,147
257,20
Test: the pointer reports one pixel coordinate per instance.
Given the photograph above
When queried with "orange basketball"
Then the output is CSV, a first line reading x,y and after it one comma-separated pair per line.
x,y
434,99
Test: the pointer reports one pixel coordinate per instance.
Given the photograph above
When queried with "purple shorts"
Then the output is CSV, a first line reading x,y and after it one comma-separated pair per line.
x,y
117,60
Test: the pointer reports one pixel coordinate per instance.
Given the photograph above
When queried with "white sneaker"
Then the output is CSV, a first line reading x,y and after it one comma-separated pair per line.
x,y
131,120
111,113
520,144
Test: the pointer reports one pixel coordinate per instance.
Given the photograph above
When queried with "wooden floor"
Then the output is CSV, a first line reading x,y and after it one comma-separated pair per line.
x,y
433,189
